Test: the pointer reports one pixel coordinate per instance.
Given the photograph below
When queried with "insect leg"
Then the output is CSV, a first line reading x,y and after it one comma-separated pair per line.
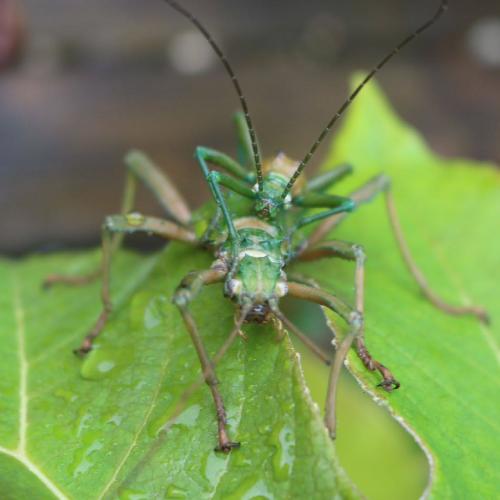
x,y
301,336
332,176
355,320
382,184
215,179
121,224
224,161
245,150
140,168
336,205
353,252
185,293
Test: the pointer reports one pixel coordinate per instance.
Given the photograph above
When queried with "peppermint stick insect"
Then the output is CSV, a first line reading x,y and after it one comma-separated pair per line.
x,y
254,250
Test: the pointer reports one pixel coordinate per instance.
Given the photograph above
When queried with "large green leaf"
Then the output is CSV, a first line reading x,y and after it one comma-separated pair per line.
x,y
86,430
448,366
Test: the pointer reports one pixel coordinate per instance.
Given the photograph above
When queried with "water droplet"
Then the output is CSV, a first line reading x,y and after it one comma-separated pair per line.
x,y
83,420
215,465
115,419
83,460
101,363
155,312
252,488
66,395
174,491
135,219
283,440
264,429
132,495
187,418
147,310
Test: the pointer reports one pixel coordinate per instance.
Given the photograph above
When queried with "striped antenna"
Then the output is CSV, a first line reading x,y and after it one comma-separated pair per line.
x,y
442,8
236,84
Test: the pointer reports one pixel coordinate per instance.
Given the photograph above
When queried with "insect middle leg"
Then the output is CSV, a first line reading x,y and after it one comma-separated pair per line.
x,y
122,224
382,184
185,293
353,252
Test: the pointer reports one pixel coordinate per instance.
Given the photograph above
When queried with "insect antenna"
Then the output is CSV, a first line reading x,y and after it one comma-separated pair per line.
x,y
236,84
442,8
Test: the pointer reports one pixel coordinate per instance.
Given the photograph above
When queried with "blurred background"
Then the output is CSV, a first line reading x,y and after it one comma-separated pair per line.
x,y
81,82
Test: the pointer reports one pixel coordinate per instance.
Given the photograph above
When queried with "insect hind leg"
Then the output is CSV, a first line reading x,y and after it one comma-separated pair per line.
x,y
356,253
382,184
140,168
188,289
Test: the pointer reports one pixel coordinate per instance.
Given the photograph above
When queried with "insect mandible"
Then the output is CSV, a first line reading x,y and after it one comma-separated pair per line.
x,y
254,250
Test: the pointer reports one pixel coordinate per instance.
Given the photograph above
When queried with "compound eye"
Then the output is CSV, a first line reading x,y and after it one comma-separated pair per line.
x,y
235,287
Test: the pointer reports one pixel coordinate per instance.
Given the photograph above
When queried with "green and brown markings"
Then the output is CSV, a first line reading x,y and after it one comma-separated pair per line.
x,y
255,236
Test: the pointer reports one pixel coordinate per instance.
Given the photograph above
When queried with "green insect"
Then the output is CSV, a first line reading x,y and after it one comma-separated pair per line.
x,y
255,235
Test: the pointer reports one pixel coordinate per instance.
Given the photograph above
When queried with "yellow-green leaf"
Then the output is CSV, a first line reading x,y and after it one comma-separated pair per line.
x,y
448,366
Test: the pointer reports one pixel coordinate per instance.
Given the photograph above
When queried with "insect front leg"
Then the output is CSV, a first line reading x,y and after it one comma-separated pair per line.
x,y
353,252
216,179
122,224
185,293
382,184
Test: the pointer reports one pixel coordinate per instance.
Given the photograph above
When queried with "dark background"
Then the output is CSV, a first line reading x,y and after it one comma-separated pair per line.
x,y
92,79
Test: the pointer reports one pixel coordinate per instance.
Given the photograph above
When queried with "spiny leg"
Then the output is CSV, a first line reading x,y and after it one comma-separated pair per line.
x,y
353,252
185,293
353,318
120,224
332,176
382,184
335,205
140,168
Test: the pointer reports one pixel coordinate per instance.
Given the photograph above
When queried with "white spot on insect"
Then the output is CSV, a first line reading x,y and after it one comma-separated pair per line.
x,y
235,286
288,201
281,288
258,254
189,53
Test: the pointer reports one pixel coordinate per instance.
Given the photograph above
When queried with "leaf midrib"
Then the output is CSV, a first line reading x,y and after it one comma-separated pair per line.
x,y
20,452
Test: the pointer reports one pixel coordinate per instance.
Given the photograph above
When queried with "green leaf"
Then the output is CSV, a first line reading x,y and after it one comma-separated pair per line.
x,y
448,366
87,430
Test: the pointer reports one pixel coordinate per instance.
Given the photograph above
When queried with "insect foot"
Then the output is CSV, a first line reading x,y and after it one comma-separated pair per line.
x,y
389,383
227,446
82,351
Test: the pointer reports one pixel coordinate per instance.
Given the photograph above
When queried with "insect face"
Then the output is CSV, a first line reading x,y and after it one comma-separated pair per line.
x,y
278,171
